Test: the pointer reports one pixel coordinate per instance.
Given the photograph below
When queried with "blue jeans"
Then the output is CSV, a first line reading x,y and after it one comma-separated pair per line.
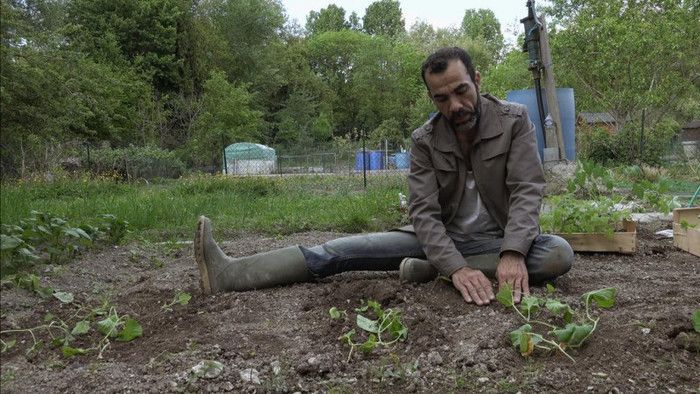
x,y
549,256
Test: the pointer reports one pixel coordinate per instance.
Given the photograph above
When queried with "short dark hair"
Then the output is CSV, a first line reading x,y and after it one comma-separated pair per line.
x,y
437,62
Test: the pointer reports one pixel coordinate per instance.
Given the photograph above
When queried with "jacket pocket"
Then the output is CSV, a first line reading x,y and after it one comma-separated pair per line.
x,y
445,163
493,147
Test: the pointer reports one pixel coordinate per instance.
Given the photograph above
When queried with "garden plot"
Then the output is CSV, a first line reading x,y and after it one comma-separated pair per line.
x,y
284,339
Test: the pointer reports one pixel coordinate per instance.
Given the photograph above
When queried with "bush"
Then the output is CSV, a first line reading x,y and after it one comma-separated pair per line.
x,y
133,163
623,147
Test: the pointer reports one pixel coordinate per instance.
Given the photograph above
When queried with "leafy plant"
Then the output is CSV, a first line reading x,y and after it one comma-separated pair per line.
x,y
63,334
385,330
696,320
590,180
181,298
570,215
576,330
46,237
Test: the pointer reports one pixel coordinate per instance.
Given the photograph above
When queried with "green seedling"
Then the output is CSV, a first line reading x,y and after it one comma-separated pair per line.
x,y
64,333
570,215
574,332
385,330
696,320
181,298
336,313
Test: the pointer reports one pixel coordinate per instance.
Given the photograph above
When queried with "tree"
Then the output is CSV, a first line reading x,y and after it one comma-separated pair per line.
x,y
427,40
248,28
510,74
226,117
331,18
354,21
482,24
625,56
139,33
384,17
51,96
333,57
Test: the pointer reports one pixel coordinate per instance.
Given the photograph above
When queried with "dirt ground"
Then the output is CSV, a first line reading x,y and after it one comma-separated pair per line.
x,y
283,340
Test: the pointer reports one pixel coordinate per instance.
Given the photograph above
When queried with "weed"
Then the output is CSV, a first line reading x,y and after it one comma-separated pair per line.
x,y
696,320
572,335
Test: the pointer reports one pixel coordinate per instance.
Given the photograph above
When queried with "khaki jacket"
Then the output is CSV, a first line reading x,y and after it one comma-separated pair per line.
x,y
507,171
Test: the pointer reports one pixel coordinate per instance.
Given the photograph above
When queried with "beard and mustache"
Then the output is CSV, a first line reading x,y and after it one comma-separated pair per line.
x,y
472,120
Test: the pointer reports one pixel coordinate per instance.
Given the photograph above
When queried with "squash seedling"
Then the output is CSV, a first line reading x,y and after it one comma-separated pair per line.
x,y
385,330
572,335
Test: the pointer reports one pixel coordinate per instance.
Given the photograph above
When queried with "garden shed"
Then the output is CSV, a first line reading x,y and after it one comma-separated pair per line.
x,y
246,158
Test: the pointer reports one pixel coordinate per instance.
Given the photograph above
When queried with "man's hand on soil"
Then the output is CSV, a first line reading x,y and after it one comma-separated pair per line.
x,y
474,286
511,269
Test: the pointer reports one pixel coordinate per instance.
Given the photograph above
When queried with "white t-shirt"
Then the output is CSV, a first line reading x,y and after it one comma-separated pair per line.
x,y
473,221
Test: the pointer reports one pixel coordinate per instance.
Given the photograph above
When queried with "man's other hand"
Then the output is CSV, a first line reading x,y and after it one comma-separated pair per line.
x,y
511,269
474,286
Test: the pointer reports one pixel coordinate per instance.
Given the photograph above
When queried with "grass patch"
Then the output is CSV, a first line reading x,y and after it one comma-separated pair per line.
x,y
272,205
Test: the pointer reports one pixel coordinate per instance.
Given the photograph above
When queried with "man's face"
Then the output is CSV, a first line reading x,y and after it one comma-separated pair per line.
x,y
455,95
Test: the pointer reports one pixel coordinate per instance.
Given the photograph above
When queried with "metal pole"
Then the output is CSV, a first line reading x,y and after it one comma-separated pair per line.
x,y
540,105
641,139
364,159
532,47
87,146
223,147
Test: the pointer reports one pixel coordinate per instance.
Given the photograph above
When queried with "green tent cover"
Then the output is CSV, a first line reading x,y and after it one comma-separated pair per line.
x,y
249,151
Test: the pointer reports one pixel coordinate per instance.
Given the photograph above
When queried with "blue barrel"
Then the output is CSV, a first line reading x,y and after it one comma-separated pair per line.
x,y
359,165
376,159
402,160
567,111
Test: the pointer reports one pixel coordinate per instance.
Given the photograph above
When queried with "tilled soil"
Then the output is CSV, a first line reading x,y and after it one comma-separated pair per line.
x,y
283,340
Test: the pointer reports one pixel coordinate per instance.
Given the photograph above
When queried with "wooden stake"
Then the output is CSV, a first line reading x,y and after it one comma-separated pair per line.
x,y
551,90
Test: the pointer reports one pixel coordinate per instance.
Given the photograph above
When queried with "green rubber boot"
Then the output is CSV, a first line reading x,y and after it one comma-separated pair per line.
x,y
219,272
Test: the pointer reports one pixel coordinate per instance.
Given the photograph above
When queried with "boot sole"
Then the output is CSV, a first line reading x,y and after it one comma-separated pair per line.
x,y
199,257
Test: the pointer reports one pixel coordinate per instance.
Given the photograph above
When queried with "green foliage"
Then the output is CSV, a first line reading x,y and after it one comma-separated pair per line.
x,y
182,298
643,57
570,215
626,146
696,320
587,207
390,131
226,117
384,330
384,17
590,180
331,18
282,205
134,163
577,328
482,24
45,237
511,73
67,334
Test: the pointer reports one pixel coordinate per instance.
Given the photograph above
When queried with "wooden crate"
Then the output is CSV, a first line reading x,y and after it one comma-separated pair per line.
x,y
620,242
688,239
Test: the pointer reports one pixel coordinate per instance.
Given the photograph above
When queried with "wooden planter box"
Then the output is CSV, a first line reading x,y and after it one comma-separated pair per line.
x,y
688,240
620,242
